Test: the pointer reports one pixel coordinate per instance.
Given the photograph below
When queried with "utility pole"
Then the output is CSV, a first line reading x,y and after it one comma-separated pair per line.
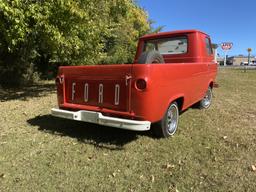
x,y
249,55
249,58
225,58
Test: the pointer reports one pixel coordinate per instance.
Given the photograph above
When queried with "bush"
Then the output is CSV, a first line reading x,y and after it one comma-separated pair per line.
x,y
35,34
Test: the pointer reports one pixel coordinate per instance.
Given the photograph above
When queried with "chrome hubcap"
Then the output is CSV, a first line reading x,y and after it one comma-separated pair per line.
x,y
207,98
172,119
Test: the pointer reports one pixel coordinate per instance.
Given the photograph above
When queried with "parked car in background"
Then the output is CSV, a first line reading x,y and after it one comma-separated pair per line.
x,y
253,63
244,63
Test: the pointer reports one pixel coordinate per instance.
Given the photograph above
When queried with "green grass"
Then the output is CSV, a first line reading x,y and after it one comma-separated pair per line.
x,y
213,149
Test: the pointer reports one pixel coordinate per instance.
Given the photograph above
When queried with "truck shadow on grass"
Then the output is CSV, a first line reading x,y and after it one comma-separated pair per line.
x,y
24,93
99,136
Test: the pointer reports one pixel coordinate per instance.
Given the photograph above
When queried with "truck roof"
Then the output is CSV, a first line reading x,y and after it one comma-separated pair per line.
x,y
163,34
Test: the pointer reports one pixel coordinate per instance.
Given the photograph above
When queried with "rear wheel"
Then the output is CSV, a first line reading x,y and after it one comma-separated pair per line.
x,y
169,124
206,102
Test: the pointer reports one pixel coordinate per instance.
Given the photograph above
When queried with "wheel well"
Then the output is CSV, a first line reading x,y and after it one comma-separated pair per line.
x,y
211,85
180,102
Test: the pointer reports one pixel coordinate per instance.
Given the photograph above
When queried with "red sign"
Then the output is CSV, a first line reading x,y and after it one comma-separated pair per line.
x,y
226,46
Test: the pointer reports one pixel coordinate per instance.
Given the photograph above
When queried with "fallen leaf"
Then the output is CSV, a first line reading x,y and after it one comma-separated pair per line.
x,y
253,167
152,178
168,166
114,174
90,157
17,179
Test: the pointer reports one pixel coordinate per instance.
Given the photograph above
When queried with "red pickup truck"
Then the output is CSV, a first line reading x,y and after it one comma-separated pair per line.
x,y
171,72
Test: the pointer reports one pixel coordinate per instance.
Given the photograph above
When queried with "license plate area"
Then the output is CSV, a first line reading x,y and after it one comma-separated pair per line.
x,y
89,116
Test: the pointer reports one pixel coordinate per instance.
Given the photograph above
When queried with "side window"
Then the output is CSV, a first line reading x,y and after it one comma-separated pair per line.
x,y
208,46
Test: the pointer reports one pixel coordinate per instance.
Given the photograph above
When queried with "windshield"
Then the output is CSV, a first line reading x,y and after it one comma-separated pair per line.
x,y
168,46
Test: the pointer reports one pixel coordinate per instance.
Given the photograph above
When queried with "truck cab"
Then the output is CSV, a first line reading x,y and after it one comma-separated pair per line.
x,y
171,72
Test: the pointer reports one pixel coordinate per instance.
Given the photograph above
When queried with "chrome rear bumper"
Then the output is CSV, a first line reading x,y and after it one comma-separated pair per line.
x,y
98,118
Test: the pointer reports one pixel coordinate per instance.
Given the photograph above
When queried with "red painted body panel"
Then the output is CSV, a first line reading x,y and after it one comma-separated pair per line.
x,y
185,76
168,82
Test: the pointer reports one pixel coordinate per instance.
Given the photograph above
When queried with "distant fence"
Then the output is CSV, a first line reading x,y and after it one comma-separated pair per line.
x,y
238,67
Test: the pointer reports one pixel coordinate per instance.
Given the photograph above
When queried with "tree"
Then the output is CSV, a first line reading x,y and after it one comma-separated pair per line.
x,y
127,23
37,33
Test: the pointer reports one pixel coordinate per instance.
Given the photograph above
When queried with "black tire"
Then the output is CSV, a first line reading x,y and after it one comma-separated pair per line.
x,y
151,57
206,102
169,124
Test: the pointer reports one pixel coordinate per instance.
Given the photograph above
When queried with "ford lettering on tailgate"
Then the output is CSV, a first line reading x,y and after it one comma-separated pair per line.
x,y
103,93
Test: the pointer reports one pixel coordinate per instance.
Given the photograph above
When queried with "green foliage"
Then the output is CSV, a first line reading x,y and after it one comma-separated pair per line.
x,y
130,24
36,33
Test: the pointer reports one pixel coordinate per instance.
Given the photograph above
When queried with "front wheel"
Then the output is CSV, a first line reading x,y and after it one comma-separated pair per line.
x,y
169,124
207,100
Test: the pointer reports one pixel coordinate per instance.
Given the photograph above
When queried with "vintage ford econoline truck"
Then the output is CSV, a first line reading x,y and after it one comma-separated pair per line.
x,y
171,72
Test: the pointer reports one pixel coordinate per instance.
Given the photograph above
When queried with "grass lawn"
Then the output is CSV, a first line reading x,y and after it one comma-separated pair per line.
x,y
213,150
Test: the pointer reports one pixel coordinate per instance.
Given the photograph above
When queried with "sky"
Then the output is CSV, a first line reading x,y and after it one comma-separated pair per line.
x,y
224,20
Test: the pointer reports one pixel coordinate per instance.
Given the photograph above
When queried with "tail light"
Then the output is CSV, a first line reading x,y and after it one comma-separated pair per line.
x,y
60,94
141,84
59,80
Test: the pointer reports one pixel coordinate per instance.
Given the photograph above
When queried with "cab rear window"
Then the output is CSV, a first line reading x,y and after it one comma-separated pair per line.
x,y
168,46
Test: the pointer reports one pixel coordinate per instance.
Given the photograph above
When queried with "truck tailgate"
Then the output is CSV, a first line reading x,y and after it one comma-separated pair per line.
x,y
94,86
